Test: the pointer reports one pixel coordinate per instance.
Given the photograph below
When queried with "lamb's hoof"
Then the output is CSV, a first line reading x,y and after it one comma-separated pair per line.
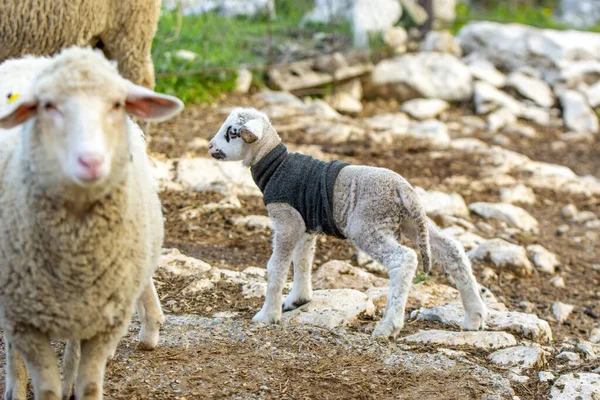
x,y
475,321
69,395
385,329
290,304
266,318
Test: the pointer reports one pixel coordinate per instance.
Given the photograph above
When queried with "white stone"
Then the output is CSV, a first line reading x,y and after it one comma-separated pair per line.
x,y
227,8
517,194
331,308
481,340
432,75
185,55
503,255
513,215
595,335
577,137
488,98
347,99
396,38
243,81
593,95
569,211
558,282
337,274
415,11
583,386
254,222
370,16
424,108
528,325
519,357
280,98
577,114
422,294
485,71
569,357
163,173
499,119
441,42
205,174
175,263
532,88
439,203
521,130
432,132
546,376
511,46
397,123
544,260
562,311
444,10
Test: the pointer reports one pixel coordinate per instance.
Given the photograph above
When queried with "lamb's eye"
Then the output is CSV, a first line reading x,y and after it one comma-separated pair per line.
x,y
49,106
8,96
227,134
117,105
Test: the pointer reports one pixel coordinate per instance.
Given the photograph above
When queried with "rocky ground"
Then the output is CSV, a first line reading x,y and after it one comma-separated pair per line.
x,y
531,229
505,161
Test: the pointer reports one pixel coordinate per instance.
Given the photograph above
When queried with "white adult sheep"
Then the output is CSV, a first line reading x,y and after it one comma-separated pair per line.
x,y
81,222
123,29
369,206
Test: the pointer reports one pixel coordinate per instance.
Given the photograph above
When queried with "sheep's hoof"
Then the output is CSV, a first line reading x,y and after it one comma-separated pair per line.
x,y
148,339
11,394
289,305
144,346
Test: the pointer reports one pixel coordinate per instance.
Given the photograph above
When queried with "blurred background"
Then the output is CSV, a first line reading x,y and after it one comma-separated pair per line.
x,y
202,46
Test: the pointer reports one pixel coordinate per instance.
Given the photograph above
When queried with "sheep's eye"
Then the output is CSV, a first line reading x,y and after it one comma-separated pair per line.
x,y
118,105
8,96
49,106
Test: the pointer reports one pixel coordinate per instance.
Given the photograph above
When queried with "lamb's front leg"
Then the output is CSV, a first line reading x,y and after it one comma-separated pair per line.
x,y
15,387
151,317
302,259
289,228
94,355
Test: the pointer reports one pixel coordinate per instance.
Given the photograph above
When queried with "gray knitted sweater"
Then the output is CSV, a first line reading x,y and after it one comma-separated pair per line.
x,y
304,183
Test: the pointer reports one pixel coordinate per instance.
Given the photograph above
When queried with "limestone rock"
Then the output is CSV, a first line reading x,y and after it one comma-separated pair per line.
x,y
431,75
584,386
544,260
254,222
532,88
224,177
562,311
519,357
175,263
439,203
331,308
485,71
243,81
488,98
424,108
341,275
517,194
441,42
481,340
513,215
503,255
577,114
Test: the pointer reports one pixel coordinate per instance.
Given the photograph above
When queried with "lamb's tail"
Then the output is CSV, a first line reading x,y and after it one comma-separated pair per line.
x,y
412,202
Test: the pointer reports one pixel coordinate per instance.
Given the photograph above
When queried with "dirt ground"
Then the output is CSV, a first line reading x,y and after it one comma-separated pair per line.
x,y
272,363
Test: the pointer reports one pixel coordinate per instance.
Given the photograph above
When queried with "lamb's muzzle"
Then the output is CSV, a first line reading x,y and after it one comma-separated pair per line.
x,y
369,206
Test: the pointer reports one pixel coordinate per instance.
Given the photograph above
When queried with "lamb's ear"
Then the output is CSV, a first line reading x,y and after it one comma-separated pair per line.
x,y
252,130
151,106
19,111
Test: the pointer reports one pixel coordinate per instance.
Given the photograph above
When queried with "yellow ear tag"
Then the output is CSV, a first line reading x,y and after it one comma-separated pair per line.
x,y
13,97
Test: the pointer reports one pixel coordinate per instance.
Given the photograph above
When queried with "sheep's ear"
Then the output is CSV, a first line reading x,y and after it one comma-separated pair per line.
x,y
151,106
19,111
252,130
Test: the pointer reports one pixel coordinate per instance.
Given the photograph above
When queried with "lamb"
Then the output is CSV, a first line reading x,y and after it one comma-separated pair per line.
x,y
81,221
123,29
369,206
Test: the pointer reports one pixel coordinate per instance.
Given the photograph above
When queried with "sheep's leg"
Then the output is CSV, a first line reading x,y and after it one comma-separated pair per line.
x,y
40,359
302,259
94,355
16,374
451,255
289,228
151,317
71,359
401,263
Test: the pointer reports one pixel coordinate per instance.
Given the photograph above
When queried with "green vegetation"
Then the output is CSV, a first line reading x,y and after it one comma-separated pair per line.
x,y
421,277
221,42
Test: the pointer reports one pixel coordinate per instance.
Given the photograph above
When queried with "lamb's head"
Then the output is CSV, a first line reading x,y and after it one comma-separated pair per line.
x,y
241,136
75,111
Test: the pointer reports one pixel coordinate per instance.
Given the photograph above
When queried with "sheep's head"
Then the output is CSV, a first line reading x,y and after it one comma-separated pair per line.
x,y
240,134
78,105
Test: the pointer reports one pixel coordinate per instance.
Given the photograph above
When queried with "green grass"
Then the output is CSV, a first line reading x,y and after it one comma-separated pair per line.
x,y
421,277
221,42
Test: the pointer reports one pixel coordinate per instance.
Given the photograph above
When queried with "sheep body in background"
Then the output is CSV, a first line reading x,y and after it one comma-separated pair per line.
x,y
82,226
369,206
123,29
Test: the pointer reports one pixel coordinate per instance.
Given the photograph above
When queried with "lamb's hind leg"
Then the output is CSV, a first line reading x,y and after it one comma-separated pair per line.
x,y
151,317
16,374
401,263
450,254
71,359
302,259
